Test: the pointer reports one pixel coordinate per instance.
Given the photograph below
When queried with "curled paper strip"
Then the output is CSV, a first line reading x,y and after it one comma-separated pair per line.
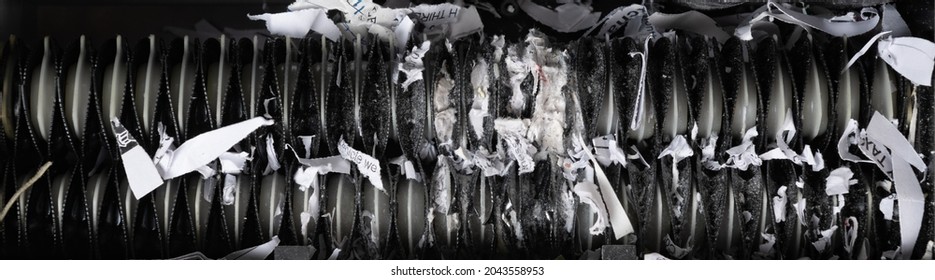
x,y
831,25
589,195
911,57
366,164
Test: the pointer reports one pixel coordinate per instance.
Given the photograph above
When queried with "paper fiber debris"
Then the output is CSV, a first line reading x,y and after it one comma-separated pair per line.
x,y
366,164
141,174
204,148
512,133
296,24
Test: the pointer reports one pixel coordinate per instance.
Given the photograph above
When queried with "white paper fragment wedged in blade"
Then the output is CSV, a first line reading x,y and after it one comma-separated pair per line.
x,y
619,220
744,155
589,195
204,148
142,176
608,152
678,149
407,168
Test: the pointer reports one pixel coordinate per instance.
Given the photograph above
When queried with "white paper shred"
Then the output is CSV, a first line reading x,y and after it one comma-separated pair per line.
x,y
407,168
766,248
259,252
233,163
568,17
911,57
366,164
678,149
229,191
202,149
587,192
824,241
414,65
882,142
480,81
272,159
296,24
849,138
631,18
468,22
607,151
779,204
839,181
800,211
361,17
744,155
142,175
435,15
618,216
708,160
850,234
